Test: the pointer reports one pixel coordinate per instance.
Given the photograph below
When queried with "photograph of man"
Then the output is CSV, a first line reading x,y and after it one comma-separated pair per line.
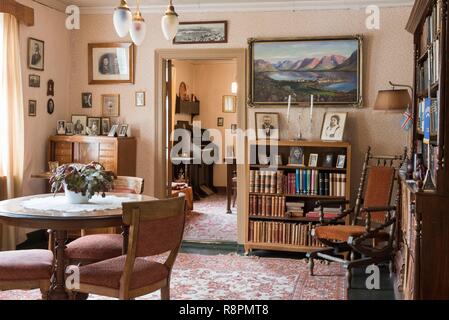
x,y
35,54
267,125
78,127
36,57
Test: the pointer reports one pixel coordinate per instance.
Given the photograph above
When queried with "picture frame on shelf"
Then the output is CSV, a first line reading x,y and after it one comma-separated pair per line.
x,y
34,81
267,125
36,54
86,99
69,129
93,126
79,124
111,63
140,99
60,127
333,127
313,160
122,130
341,159
105,126
32,107
113,131
202,32
296,157
110,105
328,160
301,67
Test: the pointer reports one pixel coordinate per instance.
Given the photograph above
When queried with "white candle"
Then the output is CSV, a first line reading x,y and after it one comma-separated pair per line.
x,y
311,107
288,108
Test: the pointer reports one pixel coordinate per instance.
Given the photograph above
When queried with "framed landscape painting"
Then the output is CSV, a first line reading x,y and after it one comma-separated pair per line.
x,y
202,32
328,68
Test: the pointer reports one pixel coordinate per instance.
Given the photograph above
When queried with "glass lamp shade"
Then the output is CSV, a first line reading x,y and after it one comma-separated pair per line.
x,y
138,29
122,19
234,87
169,24
392,100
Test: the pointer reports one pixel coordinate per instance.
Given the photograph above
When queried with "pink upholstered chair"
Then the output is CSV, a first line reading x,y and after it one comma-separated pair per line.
x,y
156,227
101,244
26,269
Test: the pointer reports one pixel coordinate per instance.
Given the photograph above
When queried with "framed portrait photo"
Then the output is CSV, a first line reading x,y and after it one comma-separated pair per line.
x,y
93,126
313,159
202,32
113,131
111,63
267,125
32,106
105,126
69,129
329,68
341,159
328,160
86,99
36,54
220,122
34,81
50,106
79,124
122,130
60,127
296,157
333,126
140,98
110,105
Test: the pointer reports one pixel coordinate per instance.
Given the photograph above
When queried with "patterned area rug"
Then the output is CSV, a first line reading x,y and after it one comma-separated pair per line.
x,y
209,220
234,277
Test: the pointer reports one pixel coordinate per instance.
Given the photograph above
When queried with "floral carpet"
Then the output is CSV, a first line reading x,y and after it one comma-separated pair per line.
x,y
234,277
209,220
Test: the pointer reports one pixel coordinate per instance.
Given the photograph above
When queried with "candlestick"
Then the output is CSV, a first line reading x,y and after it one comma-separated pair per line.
x,y
311,107
288,108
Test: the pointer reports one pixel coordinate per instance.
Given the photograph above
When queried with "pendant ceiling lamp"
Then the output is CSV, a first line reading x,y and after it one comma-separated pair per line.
x,y
138,27
170,22
122,19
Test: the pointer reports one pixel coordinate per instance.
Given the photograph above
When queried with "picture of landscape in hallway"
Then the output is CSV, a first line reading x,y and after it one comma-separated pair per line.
x,y
327,68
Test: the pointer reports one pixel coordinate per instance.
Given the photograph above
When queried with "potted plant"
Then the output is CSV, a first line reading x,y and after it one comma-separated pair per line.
x,y
81,181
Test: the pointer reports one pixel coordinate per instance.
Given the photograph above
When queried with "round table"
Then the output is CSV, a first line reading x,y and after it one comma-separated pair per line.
x,y
13,213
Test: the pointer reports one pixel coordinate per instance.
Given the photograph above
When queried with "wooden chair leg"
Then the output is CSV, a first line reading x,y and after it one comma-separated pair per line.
x,y
51,240
165,291
45,288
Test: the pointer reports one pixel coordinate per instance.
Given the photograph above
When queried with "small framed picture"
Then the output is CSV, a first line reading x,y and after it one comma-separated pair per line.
x,y
36,54
313,160
32,106
333,126
220,122
229,104
113,131
296,157
86,99
79,124
202,32
122,130
267,125
50,106
341,159
105,126
110,105
328,160
140,98
50,88
60,127
93,126
69,129
34,81
233,128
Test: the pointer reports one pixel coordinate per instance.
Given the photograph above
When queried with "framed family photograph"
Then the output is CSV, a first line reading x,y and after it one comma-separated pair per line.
x,y
79,124
202,32
34,81
140,98
105,126
94,126
329,68
36,54
32,106
333,126
86,99
111,63
267,125
110,105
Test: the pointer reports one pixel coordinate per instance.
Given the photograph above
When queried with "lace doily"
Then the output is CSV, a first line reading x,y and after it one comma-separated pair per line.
x,y
59,203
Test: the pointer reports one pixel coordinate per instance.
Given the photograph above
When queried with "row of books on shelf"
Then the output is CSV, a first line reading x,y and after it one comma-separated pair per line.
x,y
428,113
314,182
428,72
266,181
263,205
282,233
432,24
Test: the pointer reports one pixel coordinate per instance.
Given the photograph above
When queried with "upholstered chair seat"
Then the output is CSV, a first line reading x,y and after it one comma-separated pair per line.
x,y
343,232
25,265
108,273
95,247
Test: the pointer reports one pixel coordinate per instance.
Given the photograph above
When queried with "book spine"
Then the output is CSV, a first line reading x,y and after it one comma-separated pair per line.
x,y
297,180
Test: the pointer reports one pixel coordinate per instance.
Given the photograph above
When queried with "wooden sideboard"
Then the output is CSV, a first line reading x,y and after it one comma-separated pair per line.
x,y
115,154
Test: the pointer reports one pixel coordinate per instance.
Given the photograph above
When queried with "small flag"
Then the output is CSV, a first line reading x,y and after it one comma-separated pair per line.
x,y
406,121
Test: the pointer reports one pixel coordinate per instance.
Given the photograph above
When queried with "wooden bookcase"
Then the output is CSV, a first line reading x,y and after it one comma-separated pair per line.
x,y
422,259
268,213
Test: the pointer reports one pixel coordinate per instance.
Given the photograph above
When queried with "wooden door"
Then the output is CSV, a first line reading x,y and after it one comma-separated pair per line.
x,y
168,107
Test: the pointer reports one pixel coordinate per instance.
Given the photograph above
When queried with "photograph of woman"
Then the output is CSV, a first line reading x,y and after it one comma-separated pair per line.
x,y
333,126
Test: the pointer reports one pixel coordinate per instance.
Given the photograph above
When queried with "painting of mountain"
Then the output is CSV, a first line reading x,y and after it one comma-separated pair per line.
x,y
326,68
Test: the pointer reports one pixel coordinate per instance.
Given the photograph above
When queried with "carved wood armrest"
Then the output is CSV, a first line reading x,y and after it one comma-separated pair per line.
x,y
368,211
370,234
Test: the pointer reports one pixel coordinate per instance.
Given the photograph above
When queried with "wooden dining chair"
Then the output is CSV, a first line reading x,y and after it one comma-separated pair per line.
x,y
156,227
26,269
103,243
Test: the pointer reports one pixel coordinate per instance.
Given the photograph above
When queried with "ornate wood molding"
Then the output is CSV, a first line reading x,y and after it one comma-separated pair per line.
x,y
23,13
419,11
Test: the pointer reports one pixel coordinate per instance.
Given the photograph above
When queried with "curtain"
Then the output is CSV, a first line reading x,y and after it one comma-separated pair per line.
x,y
11,120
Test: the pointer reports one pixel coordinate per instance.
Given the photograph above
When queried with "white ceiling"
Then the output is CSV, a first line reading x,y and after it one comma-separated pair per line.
x,y
105,6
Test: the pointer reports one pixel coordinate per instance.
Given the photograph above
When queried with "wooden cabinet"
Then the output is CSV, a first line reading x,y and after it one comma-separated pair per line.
x,y
115,154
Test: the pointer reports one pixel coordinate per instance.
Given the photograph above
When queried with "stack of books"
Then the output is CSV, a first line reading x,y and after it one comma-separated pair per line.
x,y
295,209
329,213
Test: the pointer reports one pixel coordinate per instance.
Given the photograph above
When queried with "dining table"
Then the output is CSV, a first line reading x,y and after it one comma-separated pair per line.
x,y
49,211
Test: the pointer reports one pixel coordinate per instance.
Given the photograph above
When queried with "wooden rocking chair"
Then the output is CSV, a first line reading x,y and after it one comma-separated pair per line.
x,y
372,228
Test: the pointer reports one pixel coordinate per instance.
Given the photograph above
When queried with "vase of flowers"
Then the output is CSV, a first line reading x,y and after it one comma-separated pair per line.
x,y
81,181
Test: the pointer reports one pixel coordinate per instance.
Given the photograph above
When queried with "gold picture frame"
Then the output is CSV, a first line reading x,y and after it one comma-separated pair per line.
x,y
229,104
110,105
111,63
